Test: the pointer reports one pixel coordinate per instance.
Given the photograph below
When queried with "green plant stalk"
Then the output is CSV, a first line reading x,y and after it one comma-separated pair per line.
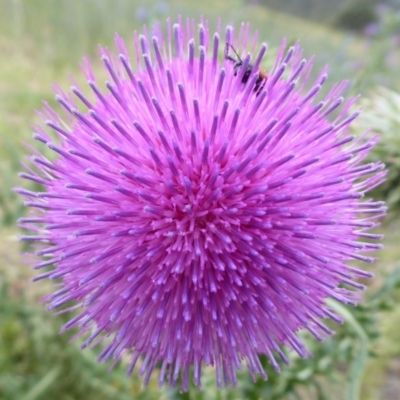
x,y
357,367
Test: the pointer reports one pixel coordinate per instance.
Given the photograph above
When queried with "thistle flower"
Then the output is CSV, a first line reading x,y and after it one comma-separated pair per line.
x,y
194,220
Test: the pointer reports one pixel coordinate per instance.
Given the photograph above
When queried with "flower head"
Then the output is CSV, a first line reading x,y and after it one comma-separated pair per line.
x,y
196,220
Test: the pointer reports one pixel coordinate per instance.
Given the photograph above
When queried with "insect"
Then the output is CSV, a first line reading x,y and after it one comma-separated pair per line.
x,y
262,75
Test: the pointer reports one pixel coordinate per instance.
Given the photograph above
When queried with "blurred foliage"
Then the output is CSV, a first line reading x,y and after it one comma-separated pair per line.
x,y
36,363
356,15
381,112
10,208
321,10
388,25
381,61
347,14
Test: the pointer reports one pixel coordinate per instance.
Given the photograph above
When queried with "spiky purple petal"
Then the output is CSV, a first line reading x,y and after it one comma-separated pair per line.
x,y
196,221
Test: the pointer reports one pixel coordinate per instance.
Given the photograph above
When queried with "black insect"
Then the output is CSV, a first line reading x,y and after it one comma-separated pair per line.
x,y
262,75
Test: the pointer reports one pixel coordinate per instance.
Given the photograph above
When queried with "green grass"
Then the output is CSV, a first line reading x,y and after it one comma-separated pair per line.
x,y
41,42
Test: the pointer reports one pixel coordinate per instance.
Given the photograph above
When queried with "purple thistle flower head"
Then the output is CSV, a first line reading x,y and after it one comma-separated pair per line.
x,y
196,220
